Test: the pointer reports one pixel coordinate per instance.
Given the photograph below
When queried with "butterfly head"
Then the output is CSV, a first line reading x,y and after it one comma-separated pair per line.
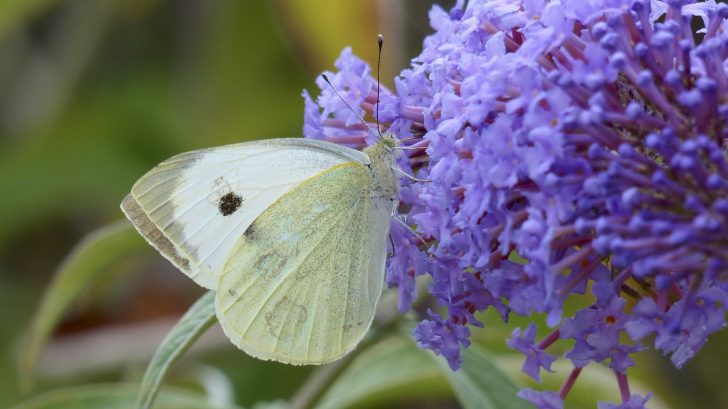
x,y
387,142
383,150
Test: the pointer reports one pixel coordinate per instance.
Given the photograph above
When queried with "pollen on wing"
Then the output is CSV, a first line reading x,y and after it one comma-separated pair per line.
x,y
229,203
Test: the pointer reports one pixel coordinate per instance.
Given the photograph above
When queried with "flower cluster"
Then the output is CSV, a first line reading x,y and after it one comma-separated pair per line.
x,y
570,147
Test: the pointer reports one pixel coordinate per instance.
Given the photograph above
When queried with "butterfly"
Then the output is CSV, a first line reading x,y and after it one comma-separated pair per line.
x,y
291,234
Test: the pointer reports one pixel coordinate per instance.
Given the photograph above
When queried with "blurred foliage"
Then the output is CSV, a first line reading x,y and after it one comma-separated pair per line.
x,y
393,370
116,396
198,319
92,257
95,92
14,13
481,384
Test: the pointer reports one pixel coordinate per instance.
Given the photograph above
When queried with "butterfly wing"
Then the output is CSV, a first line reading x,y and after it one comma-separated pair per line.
x,y
194,207
302,283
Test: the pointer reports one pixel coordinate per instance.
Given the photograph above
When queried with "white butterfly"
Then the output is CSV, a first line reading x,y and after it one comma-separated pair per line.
x,y
290,233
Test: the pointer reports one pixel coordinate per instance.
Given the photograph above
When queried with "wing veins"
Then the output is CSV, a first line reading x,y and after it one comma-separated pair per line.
x,y
194,185
310,339
194,157
173,169
285,320
313,321
230,231
286,276
242,292
202,226
348,288
176,194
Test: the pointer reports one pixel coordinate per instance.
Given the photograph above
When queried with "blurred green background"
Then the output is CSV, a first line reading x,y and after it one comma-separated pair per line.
x,y
95,92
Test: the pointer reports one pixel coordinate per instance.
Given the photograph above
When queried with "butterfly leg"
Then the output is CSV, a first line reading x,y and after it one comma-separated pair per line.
x,y
408,227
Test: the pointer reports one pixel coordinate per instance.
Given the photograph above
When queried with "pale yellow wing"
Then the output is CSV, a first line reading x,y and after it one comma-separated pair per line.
x,y
302,283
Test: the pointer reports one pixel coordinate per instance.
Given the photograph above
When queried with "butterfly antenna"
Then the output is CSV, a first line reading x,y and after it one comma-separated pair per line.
x,y
347,104
380,42
410,177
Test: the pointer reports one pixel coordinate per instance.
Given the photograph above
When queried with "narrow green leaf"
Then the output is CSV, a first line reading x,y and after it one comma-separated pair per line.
x,y
480,384
193,324
115,396
86,262
392,370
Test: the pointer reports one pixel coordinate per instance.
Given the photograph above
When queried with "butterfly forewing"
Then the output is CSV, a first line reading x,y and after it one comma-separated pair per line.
x,y
302,282
195,206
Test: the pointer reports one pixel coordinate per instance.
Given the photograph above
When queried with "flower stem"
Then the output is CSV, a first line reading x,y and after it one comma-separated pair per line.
x,y
566,387
550,339
623,386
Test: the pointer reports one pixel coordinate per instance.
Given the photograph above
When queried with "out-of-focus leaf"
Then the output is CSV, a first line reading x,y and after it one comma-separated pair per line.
x,y
243,83
115,396
89,160
278,404
90,258
144,103
15,12
318,29
217,385
480,384
392,370
39,94
193,324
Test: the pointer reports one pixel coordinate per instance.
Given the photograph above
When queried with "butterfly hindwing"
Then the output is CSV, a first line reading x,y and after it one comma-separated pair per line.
x,y
302,283
195,206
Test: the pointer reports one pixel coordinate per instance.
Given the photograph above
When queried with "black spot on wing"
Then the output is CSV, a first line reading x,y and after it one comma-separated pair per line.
x,y
229,203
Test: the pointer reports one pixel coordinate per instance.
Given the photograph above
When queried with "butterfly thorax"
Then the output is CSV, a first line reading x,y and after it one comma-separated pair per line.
x,y
381,155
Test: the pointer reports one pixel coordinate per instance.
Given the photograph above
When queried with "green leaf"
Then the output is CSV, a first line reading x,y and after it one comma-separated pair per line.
x,y
480,384
86,262
115,396
392,370
193,324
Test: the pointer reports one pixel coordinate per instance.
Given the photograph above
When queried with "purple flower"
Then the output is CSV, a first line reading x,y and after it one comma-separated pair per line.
x,y
536,358
634,402
683,329
570,145
542,400
597,331
443,337
336,122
